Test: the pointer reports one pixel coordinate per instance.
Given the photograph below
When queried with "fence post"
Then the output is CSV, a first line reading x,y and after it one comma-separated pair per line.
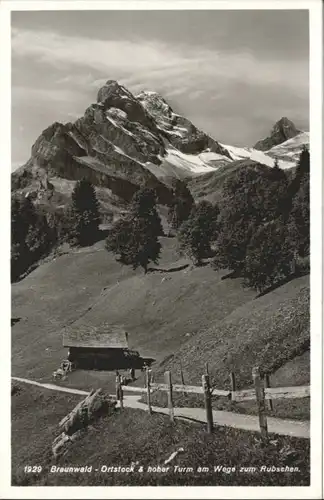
x,y
167,377
206,368
181,374
259,393
267,384
148,388
117,386
119,392
208,403
233,386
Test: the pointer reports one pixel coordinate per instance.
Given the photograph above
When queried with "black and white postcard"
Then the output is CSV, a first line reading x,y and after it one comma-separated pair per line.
x,y
164,287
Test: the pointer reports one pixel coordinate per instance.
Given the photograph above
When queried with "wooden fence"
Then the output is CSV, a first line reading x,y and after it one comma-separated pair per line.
x,y
262,393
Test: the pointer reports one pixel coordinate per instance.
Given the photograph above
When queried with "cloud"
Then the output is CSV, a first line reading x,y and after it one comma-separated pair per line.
x,y
233,95
155,62
21,93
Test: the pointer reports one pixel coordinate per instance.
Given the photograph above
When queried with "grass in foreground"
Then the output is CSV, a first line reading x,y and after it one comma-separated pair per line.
x,y
147,440
35,414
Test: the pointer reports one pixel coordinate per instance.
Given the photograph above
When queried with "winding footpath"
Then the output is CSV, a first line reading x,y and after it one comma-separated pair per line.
x,y
294,428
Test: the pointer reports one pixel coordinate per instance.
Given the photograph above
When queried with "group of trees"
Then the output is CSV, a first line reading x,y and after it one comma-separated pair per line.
x,y
135,237
34,232
259,230
264,223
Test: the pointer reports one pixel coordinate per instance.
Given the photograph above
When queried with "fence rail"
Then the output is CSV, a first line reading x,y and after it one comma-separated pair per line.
x,y
261,393
178,388
302,391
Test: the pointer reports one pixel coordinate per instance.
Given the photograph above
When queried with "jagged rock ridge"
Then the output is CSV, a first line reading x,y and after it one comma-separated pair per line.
x,y
120,143
124,141
282,130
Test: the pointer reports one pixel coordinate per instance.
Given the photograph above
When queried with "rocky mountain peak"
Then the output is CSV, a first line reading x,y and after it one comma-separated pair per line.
x,y
155,103
112,89
282,130
286,127
122,142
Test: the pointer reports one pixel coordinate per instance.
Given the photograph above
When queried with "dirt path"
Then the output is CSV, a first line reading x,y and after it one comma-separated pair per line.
x,y
51,386
284,427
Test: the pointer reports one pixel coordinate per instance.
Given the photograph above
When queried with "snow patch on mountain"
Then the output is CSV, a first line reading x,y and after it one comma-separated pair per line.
x,y
256,155
117,113
291,148
194,164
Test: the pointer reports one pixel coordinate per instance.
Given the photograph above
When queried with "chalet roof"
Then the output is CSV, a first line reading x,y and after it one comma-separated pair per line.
x,y
104,335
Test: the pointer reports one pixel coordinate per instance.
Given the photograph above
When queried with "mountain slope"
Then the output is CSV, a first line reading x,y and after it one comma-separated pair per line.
x,y
119,143
179,131
124,141
290,150
160,310
191,315
282,130
266,332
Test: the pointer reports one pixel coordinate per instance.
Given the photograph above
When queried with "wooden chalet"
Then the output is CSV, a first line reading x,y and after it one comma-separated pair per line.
x,y
103,347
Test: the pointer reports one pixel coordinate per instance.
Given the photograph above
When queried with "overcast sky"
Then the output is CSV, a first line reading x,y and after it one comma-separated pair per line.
x,y
232,73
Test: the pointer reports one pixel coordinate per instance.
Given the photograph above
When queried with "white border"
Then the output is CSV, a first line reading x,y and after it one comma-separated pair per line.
x,y
315,490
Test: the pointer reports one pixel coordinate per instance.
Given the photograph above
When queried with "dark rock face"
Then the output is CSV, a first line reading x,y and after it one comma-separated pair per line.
x,y
179,131
282,130
113,141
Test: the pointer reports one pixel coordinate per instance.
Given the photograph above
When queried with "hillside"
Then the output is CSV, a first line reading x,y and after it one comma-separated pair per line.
x,y
210,185
159,310
267,332
190,314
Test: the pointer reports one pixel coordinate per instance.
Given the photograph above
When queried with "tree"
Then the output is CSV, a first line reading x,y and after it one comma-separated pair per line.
x,y
22,217
270,256
181,205
299,219
301,175
31,236
135,237
143,206
198,232
251,197
23,214
84,214
40,237
303,165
